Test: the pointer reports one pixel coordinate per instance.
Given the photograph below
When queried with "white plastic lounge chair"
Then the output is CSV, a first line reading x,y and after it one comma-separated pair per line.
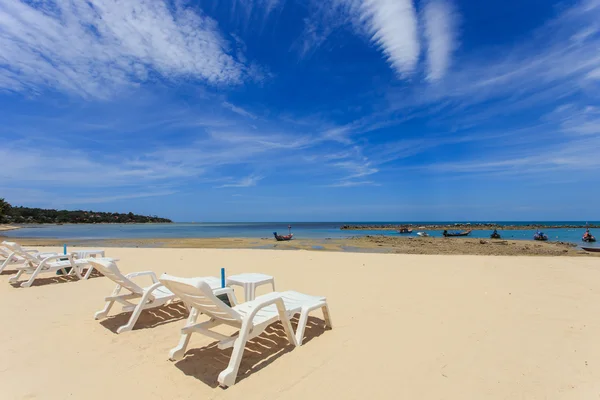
x,y
152,296
251,318
35,266
9,257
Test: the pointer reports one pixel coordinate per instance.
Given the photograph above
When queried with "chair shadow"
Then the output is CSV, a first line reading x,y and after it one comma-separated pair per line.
x,y
150,318
51,280
8,272
206,363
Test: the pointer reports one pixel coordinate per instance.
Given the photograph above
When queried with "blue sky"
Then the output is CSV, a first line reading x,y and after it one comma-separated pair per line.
x,y
282,110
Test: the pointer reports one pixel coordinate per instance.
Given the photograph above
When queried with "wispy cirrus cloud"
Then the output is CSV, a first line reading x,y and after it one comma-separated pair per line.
x,y
393,26
94,48
439,20
576,120
239,110
555,62
353,184
102,197
557,161
251,180
356,168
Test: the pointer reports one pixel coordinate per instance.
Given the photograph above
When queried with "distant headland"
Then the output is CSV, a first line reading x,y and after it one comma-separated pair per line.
x,y
27,215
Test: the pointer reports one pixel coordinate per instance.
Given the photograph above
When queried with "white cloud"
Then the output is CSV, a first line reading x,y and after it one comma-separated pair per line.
x,y
536,160
248,181
356,168
594,74
239,110
67,167
353,184
537,71
576,120
338,134
392,25
103,198
92,48
439,20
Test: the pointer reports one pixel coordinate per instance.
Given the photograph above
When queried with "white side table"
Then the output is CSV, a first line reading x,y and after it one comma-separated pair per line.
x,y
250,282
81,254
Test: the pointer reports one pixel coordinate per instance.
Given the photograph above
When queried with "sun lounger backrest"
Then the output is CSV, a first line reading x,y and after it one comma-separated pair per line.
x,y
21,252
4,251
198,294
109,269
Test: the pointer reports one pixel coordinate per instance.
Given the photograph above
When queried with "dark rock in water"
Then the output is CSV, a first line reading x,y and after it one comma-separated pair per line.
x,y
464,226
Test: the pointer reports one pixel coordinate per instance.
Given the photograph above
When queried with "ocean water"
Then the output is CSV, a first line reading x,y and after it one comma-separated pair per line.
x,y
313,230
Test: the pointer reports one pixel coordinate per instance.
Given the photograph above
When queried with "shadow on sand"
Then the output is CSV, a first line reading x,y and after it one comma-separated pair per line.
x,y
207,362
148,318
8,272
51,280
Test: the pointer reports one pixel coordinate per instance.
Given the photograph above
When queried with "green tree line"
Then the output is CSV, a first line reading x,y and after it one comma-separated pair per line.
x,y
26,215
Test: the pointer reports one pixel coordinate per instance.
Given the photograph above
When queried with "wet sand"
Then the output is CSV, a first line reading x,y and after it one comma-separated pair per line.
x,y
364,244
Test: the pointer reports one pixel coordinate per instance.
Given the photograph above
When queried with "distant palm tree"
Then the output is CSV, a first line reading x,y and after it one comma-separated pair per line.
x,y
4,209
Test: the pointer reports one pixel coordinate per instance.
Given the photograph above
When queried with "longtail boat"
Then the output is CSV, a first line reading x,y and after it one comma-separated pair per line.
x,y
283,238
592,249
588,237
540,236
454,234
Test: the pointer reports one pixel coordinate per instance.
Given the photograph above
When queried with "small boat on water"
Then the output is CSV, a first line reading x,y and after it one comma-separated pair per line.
x,y
454,234
495,235
540,236
283,238
423,234
404,230
592,249
588,237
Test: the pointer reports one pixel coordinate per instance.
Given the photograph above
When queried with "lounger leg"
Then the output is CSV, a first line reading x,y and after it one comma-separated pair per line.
x,y
178,352
136,313
6,262
104,312
228,376
15,278
287,325
301,326
75,270
33,276
89,272
327,316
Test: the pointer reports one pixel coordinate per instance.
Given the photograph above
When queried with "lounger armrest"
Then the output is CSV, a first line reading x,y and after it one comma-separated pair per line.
x,y
265,301
151,274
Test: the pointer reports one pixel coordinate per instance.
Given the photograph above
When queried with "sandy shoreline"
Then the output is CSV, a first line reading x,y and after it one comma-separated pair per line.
x,y
405,326
368,244
4,227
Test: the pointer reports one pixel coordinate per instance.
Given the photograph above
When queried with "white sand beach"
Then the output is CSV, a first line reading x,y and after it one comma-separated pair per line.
x,y
404,327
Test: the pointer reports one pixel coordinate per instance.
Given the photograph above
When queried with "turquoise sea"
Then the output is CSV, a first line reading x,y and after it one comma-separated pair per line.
x,y
316,230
